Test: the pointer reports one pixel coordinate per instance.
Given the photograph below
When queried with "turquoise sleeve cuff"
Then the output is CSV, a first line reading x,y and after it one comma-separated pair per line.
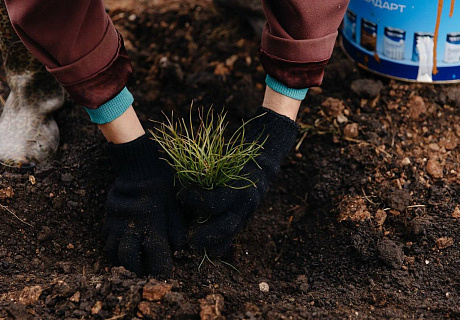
x,y
112,109
275,85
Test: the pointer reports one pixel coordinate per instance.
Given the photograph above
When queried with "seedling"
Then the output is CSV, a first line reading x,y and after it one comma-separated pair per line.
x,y
203,156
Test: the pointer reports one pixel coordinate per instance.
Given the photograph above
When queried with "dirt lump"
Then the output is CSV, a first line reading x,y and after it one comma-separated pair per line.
x,y
391,253
367,88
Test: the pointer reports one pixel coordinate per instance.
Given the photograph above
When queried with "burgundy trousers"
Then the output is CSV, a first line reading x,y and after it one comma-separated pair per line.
x,y
79,45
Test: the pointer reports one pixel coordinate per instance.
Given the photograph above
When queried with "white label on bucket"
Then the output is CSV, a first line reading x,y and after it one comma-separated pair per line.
x,y
425,47
452,50
394,43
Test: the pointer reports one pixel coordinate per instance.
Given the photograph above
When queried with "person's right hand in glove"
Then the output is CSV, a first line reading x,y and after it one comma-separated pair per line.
x,y
143,220
224,211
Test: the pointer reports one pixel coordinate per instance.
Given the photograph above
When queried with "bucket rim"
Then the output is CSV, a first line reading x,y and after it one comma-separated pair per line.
x,y
388,76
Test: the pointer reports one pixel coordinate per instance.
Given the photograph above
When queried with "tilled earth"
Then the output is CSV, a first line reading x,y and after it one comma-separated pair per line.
x,y
362,223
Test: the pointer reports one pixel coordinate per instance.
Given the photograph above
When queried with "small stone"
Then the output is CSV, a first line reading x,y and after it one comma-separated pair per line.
x,y
264,287
417,107
391,253
341,118
30,295
97,307
155,290
70,246
444,242
456,213
76,297
32,180
351,130
434,169
6,193
405,161
434,147
132,17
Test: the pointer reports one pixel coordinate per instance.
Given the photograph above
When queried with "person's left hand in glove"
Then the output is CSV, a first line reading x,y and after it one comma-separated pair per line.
x,y
143,221
224,210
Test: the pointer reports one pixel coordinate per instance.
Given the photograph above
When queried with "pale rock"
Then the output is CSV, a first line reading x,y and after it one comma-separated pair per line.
x,y
264,287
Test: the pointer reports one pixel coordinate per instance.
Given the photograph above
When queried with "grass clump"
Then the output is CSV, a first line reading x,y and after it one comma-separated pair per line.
x,y
203,156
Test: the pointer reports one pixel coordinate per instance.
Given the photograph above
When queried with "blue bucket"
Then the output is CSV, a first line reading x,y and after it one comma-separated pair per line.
x,y
397,38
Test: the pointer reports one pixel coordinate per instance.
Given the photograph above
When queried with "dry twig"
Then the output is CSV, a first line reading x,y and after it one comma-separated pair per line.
x,y
14,215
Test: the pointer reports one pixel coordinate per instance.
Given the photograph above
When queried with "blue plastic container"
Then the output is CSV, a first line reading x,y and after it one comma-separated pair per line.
x,y
386,37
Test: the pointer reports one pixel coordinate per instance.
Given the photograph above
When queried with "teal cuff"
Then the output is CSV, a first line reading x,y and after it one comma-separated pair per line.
x,y
112,109
275,85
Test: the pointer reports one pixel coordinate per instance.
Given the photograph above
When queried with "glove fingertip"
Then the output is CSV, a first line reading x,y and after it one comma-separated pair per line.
x,y
129,252
157,259
178,240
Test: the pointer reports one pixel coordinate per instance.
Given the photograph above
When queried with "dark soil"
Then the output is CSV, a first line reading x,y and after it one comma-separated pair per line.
x,y
363,222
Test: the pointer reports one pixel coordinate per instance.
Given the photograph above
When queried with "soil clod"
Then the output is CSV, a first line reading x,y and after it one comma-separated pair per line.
x,y
391,253
444,242
30,295
155,290
419,225
367,88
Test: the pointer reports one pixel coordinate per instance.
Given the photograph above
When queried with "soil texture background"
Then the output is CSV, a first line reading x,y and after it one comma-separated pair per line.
x,y
362,223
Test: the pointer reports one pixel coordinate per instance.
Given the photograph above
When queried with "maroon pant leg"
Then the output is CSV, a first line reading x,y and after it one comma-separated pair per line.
x,y
77,42
298,39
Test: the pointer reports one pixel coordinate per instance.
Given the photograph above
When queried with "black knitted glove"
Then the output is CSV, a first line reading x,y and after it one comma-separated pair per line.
x,y
142,216
225,211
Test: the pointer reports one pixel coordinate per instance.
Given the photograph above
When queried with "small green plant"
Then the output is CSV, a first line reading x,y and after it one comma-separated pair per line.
x,y
203,156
